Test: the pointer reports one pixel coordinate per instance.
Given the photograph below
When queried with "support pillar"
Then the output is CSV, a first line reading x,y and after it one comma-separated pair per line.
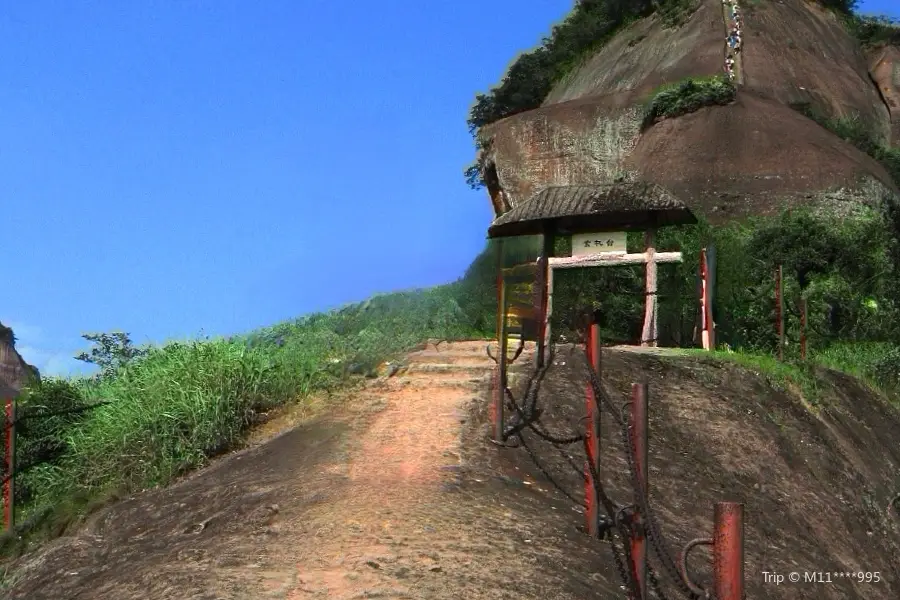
x,y
497,416
728,551
592,498
544,274
650,334
640,427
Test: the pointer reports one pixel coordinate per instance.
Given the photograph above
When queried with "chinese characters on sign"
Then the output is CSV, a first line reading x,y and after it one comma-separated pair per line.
x,y
598,243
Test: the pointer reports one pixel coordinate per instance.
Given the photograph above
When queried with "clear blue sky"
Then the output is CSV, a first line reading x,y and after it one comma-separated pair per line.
x,y
172,167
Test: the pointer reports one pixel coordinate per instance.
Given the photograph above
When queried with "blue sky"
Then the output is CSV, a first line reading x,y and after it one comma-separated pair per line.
x,y
170,168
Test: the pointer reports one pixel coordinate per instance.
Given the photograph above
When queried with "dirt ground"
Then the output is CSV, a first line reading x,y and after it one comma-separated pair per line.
x,y
397,493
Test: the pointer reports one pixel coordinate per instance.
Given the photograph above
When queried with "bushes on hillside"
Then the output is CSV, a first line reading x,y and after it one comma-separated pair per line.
x,y
874,31
47,412
589,26
688,96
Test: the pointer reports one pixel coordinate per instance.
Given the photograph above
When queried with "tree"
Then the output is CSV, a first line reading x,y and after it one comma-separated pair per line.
x,y
111,351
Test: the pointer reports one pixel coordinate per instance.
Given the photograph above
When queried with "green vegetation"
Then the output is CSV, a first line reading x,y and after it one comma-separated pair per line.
x,y
874,31
589,27
785,376
877,364
847,269
687,96
110,351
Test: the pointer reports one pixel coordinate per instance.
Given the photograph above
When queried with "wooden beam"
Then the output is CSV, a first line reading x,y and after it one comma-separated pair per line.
x,y
649,334
612,260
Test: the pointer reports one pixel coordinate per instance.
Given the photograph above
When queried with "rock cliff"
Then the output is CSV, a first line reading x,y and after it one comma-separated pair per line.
x,y
752,156
14,371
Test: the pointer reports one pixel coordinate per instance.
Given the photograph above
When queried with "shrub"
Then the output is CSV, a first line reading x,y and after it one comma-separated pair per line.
x,y
688,96
873,31
47,412
589,27
846,268
110,351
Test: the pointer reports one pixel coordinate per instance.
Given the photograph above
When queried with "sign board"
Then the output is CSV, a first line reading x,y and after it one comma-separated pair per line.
x,y
597,243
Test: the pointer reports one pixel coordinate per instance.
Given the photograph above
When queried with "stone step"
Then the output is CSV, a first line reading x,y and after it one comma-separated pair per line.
x,y
469,384
475,369
450,357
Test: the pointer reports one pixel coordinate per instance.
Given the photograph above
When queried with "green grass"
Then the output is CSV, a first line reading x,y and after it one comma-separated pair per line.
x,y
686,96
875,364
185,402
781,375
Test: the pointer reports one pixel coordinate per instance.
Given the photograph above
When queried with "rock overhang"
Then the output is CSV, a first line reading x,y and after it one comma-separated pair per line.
x,y
724,162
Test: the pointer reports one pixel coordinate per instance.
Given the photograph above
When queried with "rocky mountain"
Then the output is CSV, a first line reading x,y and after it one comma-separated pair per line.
x,y
14,371
791,65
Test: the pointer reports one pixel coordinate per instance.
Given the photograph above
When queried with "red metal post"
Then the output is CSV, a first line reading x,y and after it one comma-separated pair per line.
x,y
779,309
728,551
592,499
640,427
9,486
802,328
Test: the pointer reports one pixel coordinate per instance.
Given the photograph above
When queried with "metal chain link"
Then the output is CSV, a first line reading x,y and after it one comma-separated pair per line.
x,y
527,415
544,471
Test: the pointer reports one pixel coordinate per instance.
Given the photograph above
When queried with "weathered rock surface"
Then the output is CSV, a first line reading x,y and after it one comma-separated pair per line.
x,y
884,67
751,157
14,371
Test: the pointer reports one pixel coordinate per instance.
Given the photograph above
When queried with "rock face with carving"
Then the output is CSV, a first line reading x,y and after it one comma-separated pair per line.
x,y
753,155
14,371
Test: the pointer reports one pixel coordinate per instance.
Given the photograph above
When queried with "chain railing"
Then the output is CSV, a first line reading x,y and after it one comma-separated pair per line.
x,y
641,554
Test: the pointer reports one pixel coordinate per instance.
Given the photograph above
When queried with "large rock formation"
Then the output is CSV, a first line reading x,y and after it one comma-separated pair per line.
x,y
884,66
14,371
752,156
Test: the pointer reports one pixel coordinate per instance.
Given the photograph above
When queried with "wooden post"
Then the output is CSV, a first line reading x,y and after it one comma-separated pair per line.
x,y
779,309
9,490
650,333
592,497
640,426
614,259
709,329
502,344
543,277
548,311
